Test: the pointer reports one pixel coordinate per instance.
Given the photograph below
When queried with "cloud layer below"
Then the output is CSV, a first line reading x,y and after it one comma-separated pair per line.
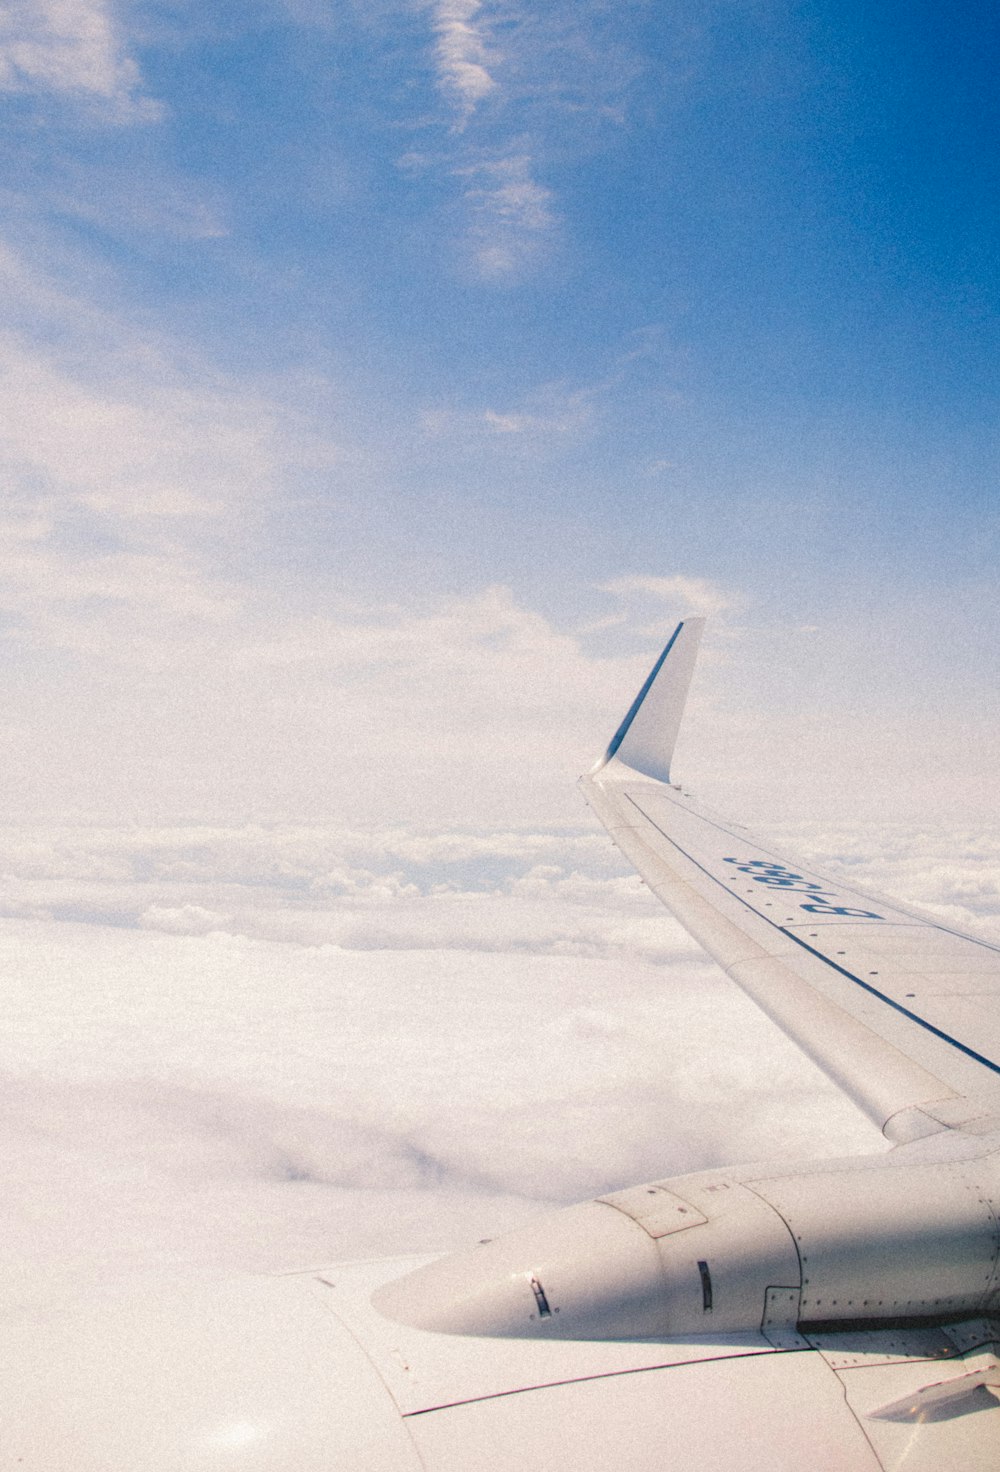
x,y
265,1048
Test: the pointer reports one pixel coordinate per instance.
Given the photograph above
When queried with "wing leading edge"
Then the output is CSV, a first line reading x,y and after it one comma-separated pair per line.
x,y
901,1012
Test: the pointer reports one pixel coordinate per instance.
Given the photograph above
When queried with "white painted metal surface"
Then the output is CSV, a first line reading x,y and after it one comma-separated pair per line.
x,y
717,1401
716,1416
252,1374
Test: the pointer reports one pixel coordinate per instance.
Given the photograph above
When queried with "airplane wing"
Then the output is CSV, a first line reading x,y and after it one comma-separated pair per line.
x,y
902,1012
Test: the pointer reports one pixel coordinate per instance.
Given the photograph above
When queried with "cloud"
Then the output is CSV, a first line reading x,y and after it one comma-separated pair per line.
x,y
128,465
531,893
508,1021
182,919
574,415
513,107
537,893
513,217
133,644
151,686
525,88
216,1101
157,204
696,595
72,49
550,413
131,440
161,664
462,54
250,708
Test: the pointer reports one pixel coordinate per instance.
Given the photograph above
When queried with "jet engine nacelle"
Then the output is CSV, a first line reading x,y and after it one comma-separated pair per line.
x,y
870,1241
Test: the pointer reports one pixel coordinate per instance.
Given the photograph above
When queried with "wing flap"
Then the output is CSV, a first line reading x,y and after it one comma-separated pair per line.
x,y
902,1013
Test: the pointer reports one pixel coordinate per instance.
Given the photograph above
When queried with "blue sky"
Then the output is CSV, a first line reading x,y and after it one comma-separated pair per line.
x,y
319,317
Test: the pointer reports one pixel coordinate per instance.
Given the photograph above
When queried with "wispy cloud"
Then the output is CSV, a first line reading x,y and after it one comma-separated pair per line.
x,y
550,413
132,445
124,459
462,54
518,88
513,217
523,88
73,49
694,595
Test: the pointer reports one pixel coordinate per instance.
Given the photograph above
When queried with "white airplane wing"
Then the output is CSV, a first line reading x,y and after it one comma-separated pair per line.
x,y
902,1012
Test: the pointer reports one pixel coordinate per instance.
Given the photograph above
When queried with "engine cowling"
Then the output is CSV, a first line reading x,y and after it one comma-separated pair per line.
x,y
862,1241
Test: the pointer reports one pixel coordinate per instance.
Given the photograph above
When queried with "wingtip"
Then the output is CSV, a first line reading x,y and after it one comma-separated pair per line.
x,y
646,738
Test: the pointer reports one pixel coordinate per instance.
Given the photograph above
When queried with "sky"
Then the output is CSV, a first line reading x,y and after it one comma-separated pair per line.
x,y
378,385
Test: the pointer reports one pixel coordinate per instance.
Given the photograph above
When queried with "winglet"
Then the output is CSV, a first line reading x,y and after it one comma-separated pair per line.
x,y
646,738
